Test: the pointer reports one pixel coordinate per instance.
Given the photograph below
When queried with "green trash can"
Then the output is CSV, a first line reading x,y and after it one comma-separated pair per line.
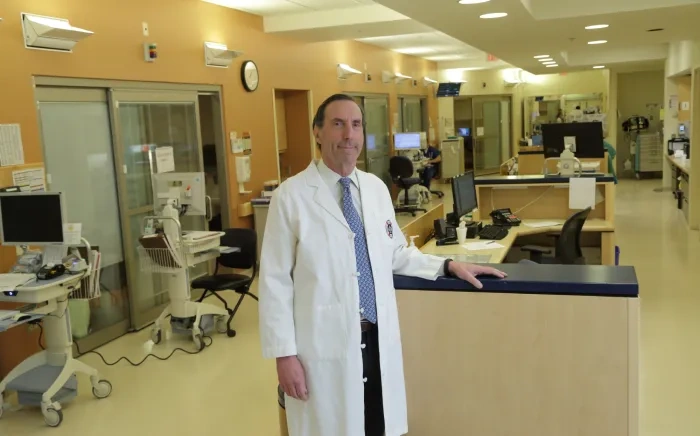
x,y
284,431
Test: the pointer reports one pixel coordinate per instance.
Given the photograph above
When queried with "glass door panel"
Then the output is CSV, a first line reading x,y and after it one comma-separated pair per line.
x,y
77,141
145,121
377,148
412,114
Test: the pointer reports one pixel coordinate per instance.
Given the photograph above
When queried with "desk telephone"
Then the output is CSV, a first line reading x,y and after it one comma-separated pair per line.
x,y
504,217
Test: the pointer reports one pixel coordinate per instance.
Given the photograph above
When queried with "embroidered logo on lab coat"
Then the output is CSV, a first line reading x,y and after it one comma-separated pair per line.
x,y
389,229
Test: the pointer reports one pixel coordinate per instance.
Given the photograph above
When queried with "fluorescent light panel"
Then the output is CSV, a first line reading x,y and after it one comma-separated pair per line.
x,y
596,26
493,15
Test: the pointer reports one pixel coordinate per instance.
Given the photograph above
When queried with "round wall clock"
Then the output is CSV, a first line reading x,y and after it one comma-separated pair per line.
x,y
250,76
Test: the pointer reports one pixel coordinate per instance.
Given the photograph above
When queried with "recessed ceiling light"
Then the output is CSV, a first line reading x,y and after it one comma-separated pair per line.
x,y
598,67
494,15
541,56
596,26
546,60
472,2
549,63
551,66
602,41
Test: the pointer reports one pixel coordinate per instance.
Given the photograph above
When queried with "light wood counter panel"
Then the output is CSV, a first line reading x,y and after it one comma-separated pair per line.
x,y
681,164
516,364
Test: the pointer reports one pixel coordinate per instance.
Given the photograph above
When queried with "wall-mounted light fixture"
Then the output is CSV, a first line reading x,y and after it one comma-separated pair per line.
x,y
345,71
427,81
48,33
218,55
398,77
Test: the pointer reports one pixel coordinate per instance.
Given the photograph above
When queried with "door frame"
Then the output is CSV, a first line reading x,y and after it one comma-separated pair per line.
x,y
109,86
312,113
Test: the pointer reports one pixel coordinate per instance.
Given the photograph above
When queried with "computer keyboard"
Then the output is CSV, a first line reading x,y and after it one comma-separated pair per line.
x,y
13,280
493,232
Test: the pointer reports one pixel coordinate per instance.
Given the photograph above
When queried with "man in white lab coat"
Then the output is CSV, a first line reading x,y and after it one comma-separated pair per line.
x,y
328,310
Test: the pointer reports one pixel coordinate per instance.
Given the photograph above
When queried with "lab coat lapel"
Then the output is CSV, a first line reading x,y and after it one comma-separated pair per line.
x,y
323,196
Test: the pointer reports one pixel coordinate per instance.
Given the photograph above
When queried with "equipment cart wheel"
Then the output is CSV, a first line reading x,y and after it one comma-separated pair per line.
x,y
221,324
53,417
198,341
231,333
156,335
102,390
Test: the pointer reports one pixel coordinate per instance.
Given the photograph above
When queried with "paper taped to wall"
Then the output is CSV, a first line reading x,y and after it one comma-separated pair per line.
x,y
11,150
29,180
582,192
165,160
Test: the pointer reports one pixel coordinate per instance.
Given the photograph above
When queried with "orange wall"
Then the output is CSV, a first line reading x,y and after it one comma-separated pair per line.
x,y
684,94
180,27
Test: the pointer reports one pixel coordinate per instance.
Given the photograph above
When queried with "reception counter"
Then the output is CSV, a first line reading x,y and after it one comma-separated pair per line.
x,y
548,351
538,198
531,161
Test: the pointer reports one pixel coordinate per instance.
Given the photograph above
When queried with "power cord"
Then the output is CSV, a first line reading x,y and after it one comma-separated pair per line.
x,y
80,353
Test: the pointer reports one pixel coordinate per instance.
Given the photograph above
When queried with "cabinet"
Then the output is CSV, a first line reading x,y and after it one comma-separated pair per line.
x,y
452,152
649,153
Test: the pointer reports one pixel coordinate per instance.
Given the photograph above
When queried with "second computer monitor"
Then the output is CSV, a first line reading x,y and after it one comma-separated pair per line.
x,y
464,193
31,218
407,141
587,137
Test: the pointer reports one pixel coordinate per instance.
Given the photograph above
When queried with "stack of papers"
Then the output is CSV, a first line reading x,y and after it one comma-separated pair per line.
x,y
538,224
476,246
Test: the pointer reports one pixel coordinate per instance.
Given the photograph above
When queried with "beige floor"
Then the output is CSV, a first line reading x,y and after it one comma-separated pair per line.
x,y
229,389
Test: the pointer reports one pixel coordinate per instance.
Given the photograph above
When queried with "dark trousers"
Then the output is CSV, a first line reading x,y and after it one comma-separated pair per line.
x,y
374,407
427,176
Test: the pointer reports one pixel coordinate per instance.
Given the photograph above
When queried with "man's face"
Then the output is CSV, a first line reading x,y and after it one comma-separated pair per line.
x,y
341,136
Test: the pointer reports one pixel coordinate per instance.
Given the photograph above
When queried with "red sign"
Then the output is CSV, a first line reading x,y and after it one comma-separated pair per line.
x,y
491,58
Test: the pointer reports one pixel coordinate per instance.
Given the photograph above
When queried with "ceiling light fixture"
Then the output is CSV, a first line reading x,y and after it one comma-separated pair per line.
x,y
541,56
597,26
602,41
549,63
551,66
472,2
493,15
598,67
546,60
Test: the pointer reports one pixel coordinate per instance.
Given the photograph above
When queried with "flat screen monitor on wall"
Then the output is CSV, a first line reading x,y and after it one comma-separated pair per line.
x,y
448,89
407,141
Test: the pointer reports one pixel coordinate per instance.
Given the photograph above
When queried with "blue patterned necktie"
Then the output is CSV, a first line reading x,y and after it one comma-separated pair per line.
x,y
368,303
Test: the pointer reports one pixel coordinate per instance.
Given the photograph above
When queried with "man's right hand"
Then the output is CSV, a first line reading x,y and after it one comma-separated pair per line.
x,y
292,378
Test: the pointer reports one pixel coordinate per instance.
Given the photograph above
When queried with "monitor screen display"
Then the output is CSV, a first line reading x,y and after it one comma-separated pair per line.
x,y
586,139
31,218
371,142
464,194
464,131
406,141
449,89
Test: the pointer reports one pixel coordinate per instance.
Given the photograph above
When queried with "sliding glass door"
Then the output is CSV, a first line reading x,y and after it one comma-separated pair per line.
x,y
77,142
145,121
490,133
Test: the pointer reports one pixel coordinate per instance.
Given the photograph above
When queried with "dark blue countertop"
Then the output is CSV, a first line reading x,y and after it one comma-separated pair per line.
x,y
524,150
535,179
588,280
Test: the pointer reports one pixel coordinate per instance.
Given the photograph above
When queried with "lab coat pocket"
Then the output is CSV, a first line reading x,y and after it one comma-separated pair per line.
x,y
329,332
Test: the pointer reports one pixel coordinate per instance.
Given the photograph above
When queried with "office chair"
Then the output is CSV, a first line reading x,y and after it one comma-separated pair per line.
x,y
246,240
567,248
401,171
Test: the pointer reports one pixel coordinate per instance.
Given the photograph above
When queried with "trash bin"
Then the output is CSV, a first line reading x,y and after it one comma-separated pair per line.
x,y
284,431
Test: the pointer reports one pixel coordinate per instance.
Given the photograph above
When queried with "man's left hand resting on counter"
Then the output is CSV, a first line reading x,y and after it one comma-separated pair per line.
x,y
469,272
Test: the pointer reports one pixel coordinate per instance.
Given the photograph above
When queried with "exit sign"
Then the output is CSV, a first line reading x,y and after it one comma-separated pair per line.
x,y
491,58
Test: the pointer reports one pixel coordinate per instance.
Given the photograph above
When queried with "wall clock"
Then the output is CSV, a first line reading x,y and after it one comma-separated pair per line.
x,y
250,76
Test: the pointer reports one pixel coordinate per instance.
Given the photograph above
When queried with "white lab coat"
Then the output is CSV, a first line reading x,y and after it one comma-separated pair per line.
x,y
309,301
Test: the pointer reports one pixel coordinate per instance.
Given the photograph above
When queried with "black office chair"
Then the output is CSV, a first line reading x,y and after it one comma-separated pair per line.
x,y
246,258
567,248
401,171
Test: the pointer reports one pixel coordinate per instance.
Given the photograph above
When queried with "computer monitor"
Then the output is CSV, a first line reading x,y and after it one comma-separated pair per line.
x,y
187,188
31,218
407,141
464,131
586,137
464,193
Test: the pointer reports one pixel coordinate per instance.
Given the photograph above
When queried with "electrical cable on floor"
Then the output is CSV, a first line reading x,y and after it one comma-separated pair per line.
x,y
80,353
